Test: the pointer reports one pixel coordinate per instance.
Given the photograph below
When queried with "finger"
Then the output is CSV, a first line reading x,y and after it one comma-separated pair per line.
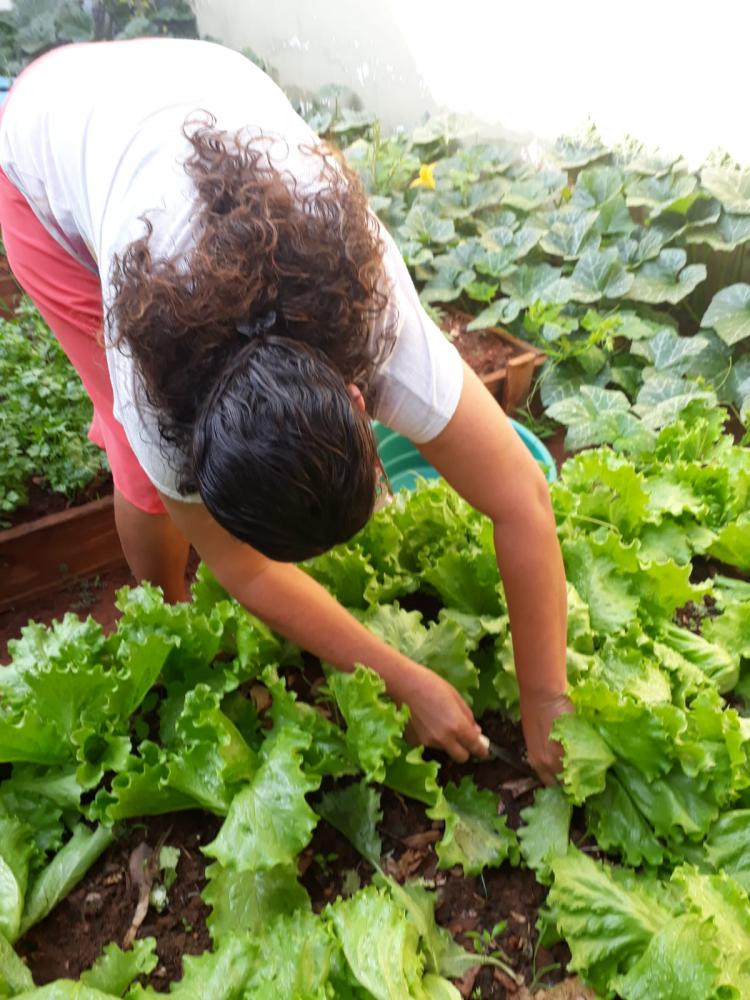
x,y
457,750
477,744
466,711
545,773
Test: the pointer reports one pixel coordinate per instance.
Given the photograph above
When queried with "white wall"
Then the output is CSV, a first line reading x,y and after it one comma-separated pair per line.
x,y
671,72
318,42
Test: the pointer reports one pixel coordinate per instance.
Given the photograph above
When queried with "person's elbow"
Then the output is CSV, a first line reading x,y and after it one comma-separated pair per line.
x,y
528,504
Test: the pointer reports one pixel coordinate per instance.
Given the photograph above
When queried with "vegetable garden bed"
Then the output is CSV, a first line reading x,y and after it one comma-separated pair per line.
x,y
44,554
505,364
305,786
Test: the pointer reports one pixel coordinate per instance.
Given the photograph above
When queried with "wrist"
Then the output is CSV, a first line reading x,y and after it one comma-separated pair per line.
x,y
403,678
543,694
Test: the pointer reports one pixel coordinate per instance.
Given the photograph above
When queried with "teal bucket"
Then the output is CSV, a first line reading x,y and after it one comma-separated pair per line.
x,y
403,464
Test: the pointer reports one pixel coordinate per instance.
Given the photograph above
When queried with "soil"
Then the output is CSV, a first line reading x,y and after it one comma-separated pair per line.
x,y
42,502
94,595
483,351
102,907
691,616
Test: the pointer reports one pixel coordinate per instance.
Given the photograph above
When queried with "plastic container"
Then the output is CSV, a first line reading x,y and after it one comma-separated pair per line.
x,y
404,464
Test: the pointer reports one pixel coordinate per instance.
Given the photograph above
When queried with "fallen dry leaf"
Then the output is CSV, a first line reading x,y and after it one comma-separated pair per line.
x,y
422,839
405,866
520,786
465,984
569,989
261,697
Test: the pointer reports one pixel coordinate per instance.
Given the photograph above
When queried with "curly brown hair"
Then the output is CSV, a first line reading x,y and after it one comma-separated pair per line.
x,y
313,257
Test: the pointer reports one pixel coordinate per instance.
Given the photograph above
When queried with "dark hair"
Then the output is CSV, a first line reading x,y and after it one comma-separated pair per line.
x,y
228,408
284,460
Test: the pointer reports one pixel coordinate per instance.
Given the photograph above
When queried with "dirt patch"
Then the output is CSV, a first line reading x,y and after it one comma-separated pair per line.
x,y
102,907
42,502
94,595
483,351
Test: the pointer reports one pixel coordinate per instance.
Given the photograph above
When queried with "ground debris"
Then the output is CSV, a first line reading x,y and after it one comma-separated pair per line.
x,y
569,989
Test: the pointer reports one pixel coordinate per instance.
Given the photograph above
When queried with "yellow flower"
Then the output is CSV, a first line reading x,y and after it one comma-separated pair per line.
x,y
426,177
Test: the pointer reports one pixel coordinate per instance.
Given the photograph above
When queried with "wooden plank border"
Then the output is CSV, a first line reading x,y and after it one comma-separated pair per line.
x,y
511,384
40,556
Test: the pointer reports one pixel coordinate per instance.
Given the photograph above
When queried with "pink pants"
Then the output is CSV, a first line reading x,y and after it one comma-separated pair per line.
x,y
69,297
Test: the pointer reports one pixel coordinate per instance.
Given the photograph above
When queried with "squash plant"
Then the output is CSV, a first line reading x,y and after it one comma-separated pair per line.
x,y
628,233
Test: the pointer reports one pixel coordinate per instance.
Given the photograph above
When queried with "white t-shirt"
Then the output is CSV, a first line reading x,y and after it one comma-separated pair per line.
x,y
92,136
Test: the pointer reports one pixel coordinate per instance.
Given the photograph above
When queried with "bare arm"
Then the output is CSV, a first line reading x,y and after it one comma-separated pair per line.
x,y
485,461
300,609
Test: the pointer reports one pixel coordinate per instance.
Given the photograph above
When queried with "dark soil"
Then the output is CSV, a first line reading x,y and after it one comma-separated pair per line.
x,y
94,595
102,907
42,502
691,616
483,351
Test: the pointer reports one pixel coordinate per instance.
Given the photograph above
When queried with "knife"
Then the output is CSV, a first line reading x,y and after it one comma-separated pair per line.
x,y
508,758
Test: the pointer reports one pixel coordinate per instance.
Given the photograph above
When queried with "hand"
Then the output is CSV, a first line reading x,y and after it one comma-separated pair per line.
x,y
439,715
538,713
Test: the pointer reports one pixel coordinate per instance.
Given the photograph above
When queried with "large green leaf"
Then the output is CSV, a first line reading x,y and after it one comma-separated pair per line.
x,y
728,845
249,901
475,837
672,967
443,954
726,235
293,958
536,283
606,921
737,388
669,352
504,247
64,872
595,416
423,226
443,646
15,977
587,760
636,158
666,279
599,274
447,284
532,192
545,832
380,944
116,969
572,152
596,186
724,907
729,313
658,193
732,544
730,185
500,313
16,848
619,828
413,776
355,811
664,395
374,725
269,821
569,232
640,245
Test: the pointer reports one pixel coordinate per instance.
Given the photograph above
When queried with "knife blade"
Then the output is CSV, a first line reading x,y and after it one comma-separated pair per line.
x,y
508,758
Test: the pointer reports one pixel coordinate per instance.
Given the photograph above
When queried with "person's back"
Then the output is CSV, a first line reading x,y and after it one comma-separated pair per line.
x,y
93,137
